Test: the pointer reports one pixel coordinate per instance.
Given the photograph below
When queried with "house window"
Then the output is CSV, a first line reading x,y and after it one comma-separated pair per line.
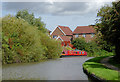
x,y
76,35
92,35
54,36
84,35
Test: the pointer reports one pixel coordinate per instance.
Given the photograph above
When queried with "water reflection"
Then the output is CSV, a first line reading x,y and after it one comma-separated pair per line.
x,y
68,68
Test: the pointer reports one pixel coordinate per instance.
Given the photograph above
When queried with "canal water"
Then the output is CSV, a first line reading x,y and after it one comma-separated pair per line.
x,y
67,68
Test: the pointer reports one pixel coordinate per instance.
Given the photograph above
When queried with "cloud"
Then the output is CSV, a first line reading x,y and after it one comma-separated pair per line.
x,y
54,8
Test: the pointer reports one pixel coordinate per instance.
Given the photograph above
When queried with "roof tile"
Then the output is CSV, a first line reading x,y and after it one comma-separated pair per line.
x,y
84,29
65,38
66,30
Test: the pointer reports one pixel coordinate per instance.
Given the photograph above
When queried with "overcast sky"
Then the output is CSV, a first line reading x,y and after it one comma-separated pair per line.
x,y
70,14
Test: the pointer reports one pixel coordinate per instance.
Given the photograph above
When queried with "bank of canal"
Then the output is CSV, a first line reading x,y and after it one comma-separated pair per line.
x,y
68,68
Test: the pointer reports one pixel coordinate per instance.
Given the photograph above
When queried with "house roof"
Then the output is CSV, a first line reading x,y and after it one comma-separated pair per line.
x,y
66,30
64,38
84,29
48,30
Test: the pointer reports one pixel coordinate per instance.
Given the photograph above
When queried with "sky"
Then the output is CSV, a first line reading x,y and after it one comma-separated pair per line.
x,y
54,13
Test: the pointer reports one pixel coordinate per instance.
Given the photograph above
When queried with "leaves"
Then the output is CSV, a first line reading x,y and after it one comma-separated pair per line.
x,y
22,39
109,26
23,42
109,22
24,14
79,43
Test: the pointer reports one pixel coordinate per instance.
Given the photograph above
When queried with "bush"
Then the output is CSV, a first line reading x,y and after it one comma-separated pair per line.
x,y
91,47
68,48
79,43
21,41
53,48
104,44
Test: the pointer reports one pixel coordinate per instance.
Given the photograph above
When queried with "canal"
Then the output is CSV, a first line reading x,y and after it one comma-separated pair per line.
x,y
67,68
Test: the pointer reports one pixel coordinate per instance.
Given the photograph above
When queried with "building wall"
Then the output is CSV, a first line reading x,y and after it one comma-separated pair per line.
x,y
70,36
87,38
57,32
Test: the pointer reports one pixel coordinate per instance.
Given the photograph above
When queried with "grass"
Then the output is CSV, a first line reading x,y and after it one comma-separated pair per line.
x,y
93,66
113,62
99,53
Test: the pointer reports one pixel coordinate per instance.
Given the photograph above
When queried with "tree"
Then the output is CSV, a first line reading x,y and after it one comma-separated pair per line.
x,y
52,47
109,25
20,41
103,44
24,14
79,43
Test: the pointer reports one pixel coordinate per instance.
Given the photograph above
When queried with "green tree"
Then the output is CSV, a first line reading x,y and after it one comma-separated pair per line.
x,y
30,18
109,25
90,47
53,48
20,41
23,42
79,43
103,44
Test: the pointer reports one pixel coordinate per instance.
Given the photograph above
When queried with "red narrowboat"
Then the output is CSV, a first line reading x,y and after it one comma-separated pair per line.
x,y
74,53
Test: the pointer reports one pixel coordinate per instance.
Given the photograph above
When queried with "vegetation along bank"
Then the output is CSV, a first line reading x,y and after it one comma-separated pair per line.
x,y
25,39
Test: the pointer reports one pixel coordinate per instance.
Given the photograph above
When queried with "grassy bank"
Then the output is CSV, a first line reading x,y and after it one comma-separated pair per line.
x,y
93,66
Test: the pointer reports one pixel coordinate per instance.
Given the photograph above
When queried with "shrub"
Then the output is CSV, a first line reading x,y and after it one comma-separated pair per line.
x,y
79,43
68,48
53,47
21,41
92,48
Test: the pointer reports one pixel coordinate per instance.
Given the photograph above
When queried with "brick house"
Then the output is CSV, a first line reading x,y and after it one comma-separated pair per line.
x,y
62,31
88,32
65,40
64,34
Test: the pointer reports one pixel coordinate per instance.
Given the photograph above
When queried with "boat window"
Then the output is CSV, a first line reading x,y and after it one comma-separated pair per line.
x,y
82,52
76,52
79,52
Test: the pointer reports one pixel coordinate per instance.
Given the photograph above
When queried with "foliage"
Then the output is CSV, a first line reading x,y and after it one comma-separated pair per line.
x,y
68,48
22,42
108,25
104,44
24,14
92,48
79,43
93,66
53,48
